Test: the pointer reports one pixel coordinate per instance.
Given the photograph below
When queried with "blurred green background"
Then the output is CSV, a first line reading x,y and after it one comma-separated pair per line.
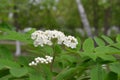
x,y
103,16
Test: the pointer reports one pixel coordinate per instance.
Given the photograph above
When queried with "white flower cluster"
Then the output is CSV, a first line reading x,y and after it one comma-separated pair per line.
x,y
70,41
45,38
46,60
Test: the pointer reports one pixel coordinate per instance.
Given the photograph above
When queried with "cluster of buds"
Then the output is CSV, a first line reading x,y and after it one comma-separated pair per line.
x,y
45,38
46,60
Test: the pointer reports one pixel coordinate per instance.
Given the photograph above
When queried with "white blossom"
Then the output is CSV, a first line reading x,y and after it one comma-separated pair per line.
x,y
46,60
32,63
42,38
45,38
70,41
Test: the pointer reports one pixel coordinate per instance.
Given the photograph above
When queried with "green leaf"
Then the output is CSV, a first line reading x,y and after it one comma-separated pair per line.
x,y
99,41
69,58
97,73
47,72
101,49
117,45
7,77
66,73
35,76
5,53
90,55
107,57
115,67
107,50
19,78
88,45
107,39
22,60
13,35
118,38
4,72
111,76
18,72
4,63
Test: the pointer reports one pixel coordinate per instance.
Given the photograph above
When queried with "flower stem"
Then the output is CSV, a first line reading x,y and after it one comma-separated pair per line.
x,y
54,54
51,66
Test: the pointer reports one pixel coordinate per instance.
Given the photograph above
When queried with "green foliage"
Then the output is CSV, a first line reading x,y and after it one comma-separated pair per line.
x,y
107,39
83,63
97,73
57,49
118,38
5,53
111,76
48,50
36,76
66,73
8,64
99,41
18,72
115,67
13,35
88,45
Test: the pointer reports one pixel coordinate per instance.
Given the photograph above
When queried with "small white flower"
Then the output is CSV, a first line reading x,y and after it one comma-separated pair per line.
x,y
46,60
30,64
37,61
49,59
70,41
